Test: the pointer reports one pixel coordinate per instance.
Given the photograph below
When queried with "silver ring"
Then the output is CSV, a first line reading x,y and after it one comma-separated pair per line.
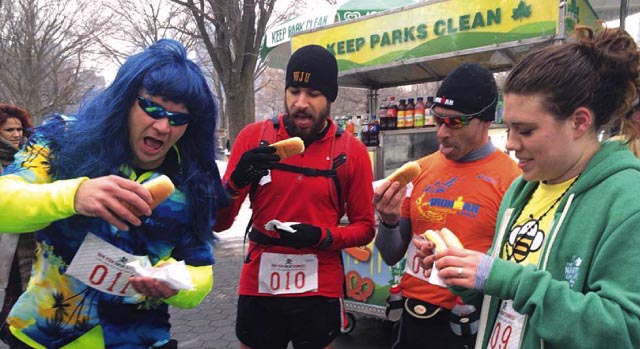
x,y
459,272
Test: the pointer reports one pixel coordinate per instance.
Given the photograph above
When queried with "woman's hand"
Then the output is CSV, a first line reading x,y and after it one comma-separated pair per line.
x,y
458,267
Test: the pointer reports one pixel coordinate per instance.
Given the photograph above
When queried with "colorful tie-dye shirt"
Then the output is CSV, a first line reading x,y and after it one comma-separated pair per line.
x,y
59,311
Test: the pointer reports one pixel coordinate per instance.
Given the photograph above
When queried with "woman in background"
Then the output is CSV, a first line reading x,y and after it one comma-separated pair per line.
x,y
19,249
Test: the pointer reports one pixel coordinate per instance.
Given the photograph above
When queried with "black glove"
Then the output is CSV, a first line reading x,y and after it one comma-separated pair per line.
x,y
253,165
306,235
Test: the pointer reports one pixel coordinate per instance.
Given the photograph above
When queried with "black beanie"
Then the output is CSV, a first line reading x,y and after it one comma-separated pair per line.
x,y
313,67
469,89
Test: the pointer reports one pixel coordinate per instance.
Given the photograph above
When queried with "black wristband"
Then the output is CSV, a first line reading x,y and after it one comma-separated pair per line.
x,y
390,226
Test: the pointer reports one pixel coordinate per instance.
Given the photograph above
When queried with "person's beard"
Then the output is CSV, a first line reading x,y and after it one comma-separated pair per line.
x,y
311,134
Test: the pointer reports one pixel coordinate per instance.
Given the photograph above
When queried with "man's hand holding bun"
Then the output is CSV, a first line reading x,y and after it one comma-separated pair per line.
x,y
253,165
405,174
388,196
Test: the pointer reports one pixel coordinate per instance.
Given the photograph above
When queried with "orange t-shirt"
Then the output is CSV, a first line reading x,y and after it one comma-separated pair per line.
x,y
461,196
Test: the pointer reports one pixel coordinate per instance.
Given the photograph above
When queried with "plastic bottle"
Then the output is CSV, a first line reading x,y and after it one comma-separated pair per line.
x,y
418,113
364,132
357,126
374,131
402,107
394,309
428,118
382,114
409,114
392,113
464,319
350,126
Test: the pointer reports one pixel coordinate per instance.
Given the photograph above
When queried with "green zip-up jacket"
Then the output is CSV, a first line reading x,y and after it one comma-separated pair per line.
x,y
585,292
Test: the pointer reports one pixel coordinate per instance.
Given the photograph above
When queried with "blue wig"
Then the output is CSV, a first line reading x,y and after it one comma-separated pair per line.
x,y
98,142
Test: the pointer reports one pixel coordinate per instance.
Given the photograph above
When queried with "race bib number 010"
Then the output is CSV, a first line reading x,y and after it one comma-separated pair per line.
x,y
103,266
288,273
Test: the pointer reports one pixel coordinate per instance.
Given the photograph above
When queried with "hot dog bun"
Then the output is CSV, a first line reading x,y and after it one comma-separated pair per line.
x,y
160,188
450,238
288,147
405,174
433,236
444,238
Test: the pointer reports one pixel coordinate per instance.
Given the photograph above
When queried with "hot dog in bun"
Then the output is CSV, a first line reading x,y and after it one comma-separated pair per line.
x,y
405,174
288,147
160,188
443,238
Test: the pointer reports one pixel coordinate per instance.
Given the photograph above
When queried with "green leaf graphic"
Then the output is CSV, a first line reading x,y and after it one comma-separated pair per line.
x,y
522,11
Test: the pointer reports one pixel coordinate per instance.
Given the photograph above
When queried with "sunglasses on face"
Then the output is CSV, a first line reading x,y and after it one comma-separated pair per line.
x,y
157,112
454,122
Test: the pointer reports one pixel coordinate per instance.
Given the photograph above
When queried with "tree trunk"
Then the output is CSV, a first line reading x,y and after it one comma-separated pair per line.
x,y
240,108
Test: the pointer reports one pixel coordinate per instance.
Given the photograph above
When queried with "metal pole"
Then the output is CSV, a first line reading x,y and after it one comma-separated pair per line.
x,y
372,102
624,10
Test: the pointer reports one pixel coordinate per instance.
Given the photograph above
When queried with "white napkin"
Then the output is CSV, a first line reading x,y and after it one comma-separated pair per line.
x,y
286,226
434,279
175,275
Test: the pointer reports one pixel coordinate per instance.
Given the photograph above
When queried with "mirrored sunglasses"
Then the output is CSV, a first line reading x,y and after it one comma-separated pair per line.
x,y
454,122
157,112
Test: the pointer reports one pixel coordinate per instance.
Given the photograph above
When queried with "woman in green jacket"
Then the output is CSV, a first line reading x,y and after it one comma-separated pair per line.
x,y
562,270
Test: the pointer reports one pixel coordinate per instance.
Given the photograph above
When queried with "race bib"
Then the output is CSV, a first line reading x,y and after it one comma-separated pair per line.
x,y
288,273
102,266
507,332
413,266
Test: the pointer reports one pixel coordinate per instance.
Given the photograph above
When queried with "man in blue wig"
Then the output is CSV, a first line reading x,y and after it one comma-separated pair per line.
x,y
77,183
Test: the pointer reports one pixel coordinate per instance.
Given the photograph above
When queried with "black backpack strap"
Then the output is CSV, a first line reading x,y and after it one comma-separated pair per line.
x,y
307,171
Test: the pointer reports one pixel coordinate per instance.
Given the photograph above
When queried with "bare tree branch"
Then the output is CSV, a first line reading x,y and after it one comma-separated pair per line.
x,y
44,48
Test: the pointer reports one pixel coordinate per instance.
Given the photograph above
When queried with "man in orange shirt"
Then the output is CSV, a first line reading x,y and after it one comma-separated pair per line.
x,y
459,187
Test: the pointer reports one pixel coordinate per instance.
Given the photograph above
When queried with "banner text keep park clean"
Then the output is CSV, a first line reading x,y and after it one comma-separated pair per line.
x,y
419,32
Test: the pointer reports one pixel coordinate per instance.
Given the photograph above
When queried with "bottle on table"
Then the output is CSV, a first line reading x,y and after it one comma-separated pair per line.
x,y
357,126
402,107
374,131
382,114
364,132
409,114
350,125
428,118
392,114
418,113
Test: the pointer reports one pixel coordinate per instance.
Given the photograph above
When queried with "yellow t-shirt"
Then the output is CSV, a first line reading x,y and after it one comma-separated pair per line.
x,y
530,231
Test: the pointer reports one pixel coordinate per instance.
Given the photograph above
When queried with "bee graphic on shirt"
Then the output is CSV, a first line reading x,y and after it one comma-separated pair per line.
x,y
523,240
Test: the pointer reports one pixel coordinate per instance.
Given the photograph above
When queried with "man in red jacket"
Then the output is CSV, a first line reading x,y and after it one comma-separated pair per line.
x,y
291,286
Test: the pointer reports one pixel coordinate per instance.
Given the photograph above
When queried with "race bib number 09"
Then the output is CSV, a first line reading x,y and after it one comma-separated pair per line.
x,y
103,266
507,331
288,273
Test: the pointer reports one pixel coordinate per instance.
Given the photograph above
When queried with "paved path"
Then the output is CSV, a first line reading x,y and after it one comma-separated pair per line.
x,y
212,324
